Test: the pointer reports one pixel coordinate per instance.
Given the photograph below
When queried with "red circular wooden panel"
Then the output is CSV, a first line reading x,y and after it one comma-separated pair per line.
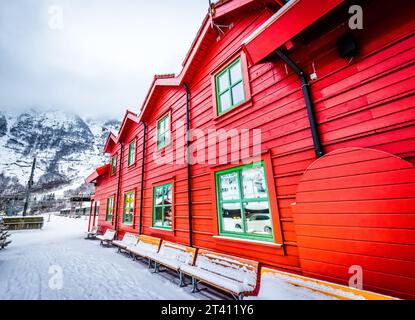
x,y
356,206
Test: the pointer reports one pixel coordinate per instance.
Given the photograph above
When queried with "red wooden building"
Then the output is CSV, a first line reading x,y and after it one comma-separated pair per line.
x,y
332,184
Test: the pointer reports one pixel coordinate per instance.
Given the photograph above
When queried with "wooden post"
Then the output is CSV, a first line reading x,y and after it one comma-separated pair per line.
x,y
90,212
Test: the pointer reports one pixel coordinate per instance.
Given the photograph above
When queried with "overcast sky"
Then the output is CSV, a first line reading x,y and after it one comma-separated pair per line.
x,y
93,57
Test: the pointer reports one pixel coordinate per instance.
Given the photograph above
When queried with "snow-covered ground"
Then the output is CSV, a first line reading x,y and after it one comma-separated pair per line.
x,y
58,263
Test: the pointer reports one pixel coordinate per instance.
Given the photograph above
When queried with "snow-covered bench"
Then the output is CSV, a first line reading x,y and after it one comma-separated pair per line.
x,y
279,285
129,239
107,238
172,256
231,274
93,233
144,246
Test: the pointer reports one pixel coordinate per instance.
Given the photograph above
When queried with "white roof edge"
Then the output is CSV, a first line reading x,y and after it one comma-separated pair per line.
x,y
267,23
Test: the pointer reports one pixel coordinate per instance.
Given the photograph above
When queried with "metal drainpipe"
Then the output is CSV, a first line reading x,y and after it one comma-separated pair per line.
x,y
189,175
318,148
142,176
118,190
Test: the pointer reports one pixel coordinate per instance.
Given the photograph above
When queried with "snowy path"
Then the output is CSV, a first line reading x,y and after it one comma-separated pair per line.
x,y
30,268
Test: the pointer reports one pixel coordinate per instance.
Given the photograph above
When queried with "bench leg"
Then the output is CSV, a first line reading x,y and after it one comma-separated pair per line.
x,y
156,267
182,280
194,285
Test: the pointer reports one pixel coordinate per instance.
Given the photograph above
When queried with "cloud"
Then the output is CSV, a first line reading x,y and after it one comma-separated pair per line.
x,y
100,61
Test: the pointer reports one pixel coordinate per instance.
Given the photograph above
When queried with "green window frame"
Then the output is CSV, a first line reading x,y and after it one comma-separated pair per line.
x,y
240,192
110,209
163,204
128,212
163,132
131,152
230,89
113,165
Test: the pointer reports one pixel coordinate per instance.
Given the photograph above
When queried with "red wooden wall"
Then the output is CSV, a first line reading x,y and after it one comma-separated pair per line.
x,y
356,207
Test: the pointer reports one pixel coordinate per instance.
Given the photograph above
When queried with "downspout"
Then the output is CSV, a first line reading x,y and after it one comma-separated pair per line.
x,y
118,189
189,175
142,176
305,86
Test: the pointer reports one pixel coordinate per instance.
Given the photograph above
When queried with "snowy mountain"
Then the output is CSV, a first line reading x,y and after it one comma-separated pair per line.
x,y
67,148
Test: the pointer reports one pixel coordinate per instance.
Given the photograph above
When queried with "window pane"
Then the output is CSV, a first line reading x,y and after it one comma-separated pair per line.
x,y
225,101
231,217
131,153
223,81
163,124
158,217
253,183
166,137
168,197
158,197
238,93
258,218
229,186
167,216
236,73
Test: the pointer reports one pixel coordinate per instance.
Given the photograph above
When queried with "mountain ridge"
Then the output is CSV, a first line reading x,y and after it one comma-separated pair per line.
x,y
67,147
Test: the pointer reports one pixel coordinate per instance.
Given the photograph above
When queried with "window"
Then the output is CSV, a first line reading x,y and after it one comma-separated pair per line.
x,y
163,132
110,209
131,153
162,206
128,208
243,203
230,90
113,165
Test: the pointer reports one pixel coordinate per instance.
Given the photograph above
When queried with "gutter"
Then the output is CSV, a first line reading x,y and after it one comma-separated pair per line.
x,y
118,189
142,176
189,175
305,86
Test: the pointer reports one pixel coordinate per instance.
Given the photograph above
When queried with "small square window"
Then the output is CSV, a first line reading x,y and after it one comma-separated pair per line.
x,y
163,132
230,90
131,153
110,209
129,199
113,165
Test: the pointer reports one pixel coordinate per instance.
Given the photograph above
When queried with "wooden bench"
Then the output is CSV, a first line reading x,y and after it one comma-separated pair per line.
x,y
129,239
173,256
279,285
93,233
144,246
107,238
231,274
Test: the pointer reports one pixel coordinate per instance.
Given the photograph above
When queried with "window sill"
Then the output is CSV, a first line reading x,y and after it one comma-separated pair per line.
x,y
249,241
162,231
231,112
